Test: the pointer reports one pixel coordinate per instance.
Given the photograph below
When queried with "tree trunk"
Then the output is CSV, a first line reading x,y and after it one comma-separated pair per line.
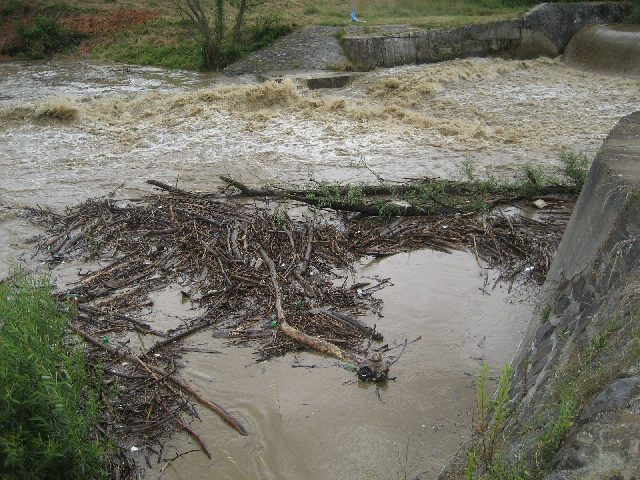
x,y
219,33
211,48
239,21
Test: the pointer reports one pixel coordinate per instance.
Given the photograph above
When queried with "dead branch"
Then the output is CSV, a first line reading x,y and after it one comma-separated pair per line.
x,y
316,344
193,393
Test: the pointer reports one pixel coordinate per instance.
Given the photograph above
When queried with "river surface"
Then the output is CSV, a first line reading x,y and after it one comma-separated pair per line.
x,y
320,424
73,130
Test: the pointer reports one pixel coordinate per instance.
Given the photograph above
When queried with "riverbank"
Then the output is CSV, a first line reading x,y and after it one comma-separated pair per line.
x,y
136,32
570,407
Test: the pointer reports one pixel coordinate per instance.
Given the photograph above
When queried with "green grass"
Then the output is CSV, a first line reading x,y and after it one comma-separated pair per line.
x,y
48,408
183,54
421,13
151,45
610,351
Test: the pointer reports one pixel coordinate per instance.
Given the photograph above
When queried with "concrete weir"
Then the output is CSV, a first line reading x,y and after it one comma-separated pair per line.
x,y
606,48
545,30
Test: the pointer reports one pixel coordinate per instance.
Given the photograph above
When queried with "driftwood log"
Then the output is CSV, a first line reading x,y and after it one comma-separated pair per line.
x,y
316,197
349,320
317,344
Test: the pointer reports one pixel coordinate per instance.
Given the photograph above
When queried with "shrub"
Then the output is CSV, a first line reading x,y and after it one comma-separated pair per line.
x,y
575,167
48,410
265,31
42,38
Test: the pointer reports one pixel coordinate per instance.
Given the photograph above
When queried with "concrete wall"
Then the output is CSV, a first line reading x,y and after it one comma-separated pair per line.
x,y
545,30
586,332
593,284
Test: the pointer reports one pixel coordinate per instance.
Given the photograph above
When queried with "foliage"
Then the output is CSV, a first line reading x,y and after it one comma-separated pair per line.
x,y
552,437
281,215
48,409
181,53
472,194
489,430
221,45
586,374
43,38
574,167
634,15
264,31
545,313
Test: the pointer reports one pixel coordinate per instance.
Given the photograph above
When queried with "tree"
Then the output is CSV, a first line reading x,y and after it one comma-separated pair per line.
x,y
193,11
214,56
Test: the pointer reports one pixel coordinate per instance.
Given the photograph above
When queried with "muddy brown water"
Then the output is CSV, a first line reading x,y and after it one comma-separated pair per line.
x,y
318,423
70,130
607,48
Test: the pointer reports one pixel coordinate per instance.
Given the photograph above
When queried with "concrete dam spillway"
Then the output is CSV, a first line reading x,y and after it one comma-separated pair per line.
x,y
607,48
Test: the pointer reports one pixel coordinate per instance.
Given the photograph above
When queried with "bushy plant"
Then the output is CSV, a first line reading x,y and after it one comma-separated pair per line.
x,y
48,409
574,167
42,38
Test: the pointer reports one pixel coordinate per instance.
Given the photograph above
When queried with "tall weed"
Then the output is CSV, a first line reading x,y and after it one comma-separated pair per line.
x,y
48,408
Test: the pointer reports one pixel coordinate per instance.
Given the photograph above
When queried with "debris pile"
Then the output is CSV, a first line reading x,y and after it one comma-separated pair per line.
x,y
261,275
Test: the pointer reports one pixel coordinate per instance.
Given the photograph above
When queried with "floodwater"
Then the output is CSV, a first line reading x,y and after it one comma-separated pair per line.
x,y
69,131
607,48
319,424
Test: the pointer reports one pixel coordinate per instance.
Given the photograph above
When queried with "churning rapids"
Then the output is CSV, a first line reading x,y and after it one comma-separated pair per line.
x,y
69,131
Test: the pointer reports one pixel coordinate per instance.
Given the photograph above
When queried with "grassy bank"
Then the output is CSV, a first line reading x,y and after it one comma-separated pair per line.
x,y
153,33
420,13
48,407
613,349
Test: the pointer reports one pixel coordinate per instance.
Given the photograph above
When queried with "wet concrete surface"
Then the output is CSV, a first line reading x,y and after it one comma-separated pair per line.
x,y
607,48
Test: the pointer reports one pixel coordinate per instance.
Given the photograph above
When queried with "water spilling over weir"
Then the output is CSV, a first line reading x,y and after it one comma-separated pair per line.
x,y
607,48
62,141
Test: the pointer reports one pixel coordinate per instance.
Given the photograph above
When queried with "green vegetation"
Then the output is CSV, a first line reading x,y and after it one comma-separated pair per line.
x,y
545,313
145,46
148,44
489,431
420,13
586,374
155,33
42,38
48,408
472,194
575,167
281,215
